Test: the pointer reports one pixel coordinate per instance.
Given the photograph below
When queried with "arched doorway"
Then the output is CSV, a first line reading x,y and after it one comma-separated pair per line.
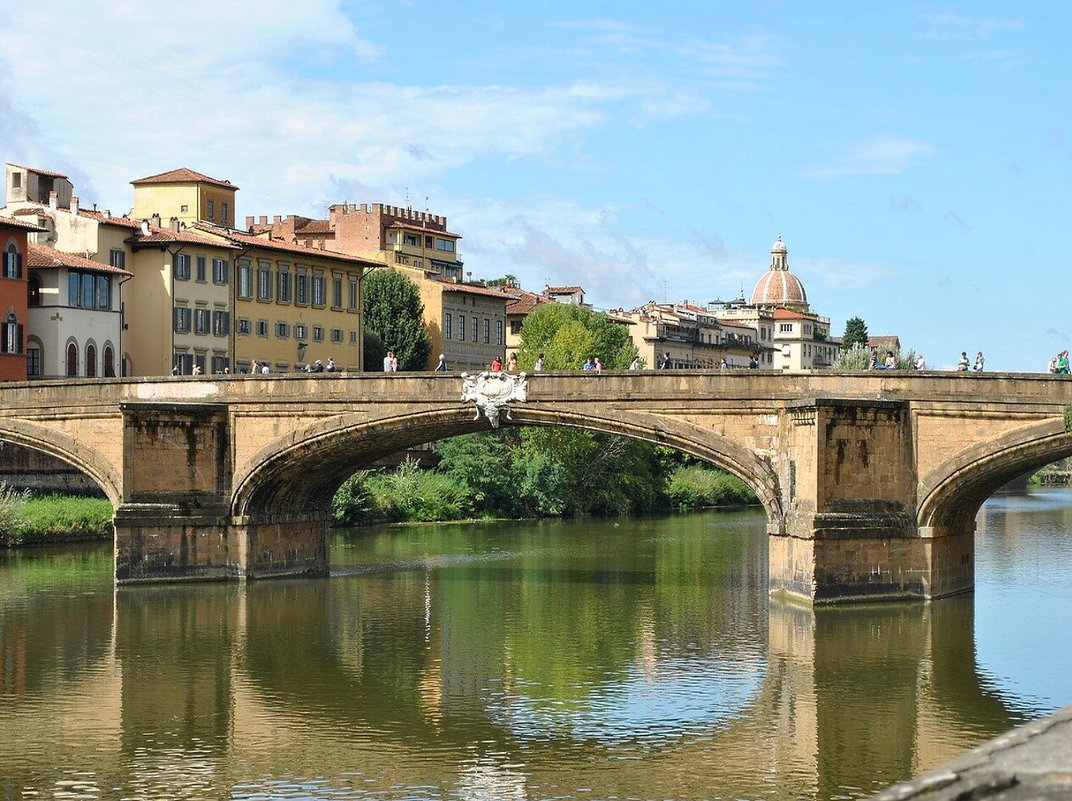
x,y
72,360
109,362
91,361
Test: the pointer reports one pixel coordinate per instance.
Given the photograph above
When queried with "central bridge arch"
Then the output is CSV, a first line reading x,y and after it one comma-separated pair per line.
x,y
308,465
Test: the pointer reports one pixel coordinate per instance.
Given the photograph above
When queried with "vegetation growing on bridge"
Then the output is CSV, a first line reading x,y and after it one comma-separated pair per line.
x,y
537,473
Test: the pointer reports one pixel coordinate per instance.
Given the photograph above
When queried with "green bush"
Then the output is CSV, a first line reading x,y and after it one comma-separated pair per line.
x,y
408,494
12,514
694,487
53,518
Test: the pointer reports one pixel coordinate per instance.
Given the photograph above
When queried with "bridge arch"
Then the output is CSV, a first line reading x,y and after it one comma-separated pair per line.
x,y
951,494
66,448
308,465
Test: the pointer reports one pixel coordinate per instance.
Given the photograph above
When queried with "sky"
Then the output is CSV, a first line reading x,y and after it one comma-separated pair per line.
x,y
916,158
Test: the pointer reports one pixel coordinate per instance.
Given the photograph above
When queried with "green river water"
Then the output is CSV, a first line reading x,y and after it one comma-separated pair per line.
x,y
627,659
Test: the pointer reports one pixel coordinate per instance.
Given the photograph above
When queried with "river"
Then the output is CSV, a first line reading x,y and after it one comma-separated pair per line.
x,y
627,659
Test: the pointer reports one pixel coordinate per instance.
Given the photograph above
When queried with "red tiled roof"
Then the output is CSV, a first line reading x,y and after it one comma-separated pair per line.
x,y
422,227
562,290
786,314
251,240
122,222
11,222
472,289
40,256
526,303
46,173
887,342
161,236
183,175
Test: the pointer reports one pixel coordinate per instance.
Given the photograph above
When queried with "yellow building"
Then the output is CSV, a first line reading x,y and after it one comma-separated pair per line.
x,y
187,195
465,322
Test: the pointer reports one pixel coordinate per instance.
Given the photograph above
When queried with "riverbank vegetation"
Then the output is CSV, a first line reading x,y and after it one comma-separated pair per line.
x,y
27,519
530,473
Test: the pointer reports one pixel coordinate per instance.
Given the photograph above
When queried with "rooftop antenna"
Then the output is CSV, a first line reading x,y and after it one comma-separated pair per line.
x,y
408,204
426,204
664,292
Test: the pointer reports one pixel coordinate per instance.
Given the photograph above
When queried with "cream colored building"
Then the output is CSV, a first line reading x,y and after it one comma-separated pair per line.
x,y
691,335
187,195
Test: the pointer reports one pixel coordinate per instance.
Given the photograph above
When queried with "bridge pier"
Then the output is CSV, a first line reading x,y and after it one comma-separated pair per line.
x,y
848,488
291,545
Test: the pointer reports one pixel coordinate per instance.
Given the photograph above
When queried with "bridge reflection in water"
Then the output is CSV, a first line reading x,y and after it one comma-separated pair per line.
x,y
516,662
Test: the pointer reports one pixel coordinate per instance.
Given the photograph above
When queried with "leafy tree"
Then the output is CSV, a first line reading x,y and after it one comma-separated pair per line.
x,y
567,335
393,309
374,351
855,333
506,280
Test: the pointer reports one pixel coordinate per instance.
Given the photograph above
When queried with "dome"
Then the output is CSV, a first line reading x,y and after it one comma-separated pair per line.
x,y
779,288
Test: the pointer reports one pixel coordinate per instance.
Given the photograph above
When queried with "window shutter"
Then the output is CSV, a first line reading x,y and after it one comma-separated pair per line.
x,y
18,344
3,338
18,265
178,320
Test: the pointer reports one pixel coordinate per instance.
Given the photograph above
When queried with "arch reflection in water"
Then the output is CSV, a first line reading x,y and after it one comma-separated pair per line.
x,y
506,661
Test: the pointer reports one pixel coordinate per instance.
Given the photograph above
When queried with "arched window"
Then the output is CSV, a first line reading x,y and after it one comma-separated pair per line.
x,y
12,262
109,362
34,291
91,361
72,361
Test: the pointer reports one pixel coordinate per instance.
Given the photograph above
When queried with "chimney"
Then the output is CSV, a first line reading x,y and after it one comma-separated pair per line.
x,y
53,200
276,220
155,219
107,214
173,223
144,227
74,204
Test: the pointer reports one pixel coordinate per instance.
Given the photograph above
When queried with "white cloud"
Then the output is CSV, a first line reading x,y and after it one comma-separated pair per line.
x,y
884,155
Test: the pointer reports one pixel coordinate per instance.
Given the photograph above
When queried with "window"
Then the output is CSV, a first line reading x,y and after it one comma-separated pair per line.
x,y
33,360
91,361
301,288
283,290
16,180
108,367
282,330
446,326
202,321
411,239
183,318
353,337
264,284
220,364
34,291
211,209
300,331
336,335
428,242
181,265
785,328
262,328
104,292
221,322
318,290
487,330
499,332
318,334
392,237
72,360
12,262
515,327
446,245
117,258
225,211
219,271
336,293
11,335
200,276
88,291
461,327
353,296
245,281
476,329
242,325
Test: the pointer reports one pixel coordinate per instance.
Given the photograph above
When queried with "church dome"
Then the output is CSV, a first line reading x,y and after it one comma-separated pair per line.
x,y
778,286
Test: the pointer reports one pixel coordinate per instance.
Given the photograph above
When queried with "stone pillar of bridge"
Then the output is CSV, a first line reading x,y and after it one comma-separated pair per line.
x,y
286,544
174,522
848,481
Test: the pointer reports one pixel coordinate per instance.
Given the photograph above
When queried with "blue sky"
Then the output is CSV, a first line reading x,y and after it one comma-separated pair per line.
x,y
916,158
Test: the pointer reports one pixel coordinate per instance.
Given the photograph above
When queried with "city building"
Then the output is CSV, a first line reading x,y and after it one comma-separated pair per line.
x,y
186,195
75,315
14,358
780,314
465,321
691,334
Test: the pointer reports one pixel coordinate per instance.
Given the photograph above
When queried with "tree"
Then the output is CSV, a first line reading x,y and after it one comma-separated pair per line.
x,y
567,335
506,280
855,333
393,309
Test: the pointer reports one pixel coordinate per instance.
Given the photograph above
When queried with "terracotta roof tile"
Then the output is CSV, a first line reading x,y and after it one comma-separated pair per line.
x,y
315,227
472,289
121,222
422,227
40,257
525,304
251,240
183,175
786,314
562,290
46,173
160,235
11,222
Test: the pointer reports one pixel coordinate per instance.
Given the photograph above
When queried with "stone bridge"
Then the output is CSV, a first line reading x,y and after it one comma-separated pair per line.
x,y
870,482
